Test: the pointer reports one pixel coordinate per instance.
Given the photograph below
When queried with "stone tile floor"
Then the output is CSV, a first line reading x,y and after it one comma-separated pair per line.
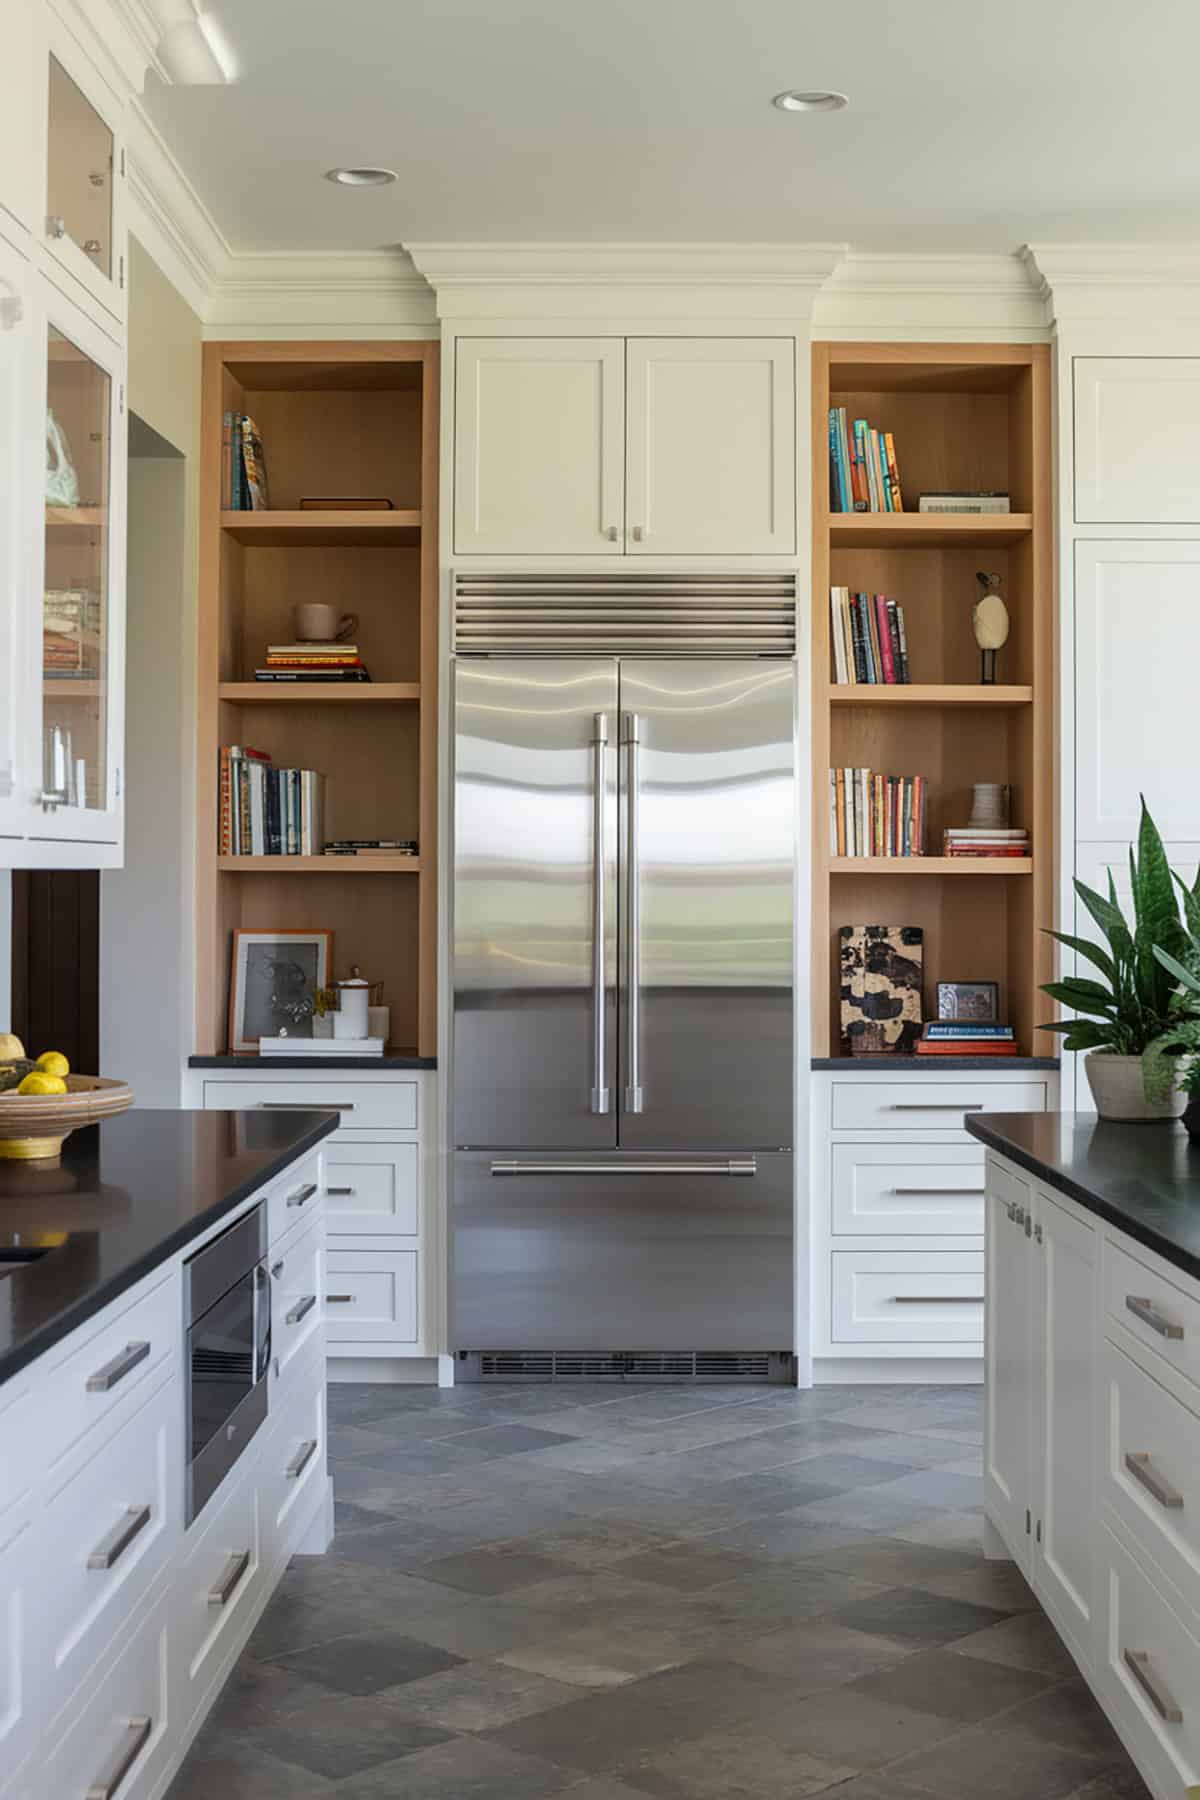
x,y
618,1593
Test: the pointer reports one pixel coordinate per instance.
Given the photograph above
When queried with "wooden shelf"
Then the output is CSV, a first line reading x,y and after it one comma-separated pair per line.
x,y
325,528
321,693
929,694
74,690
931,865
319,865
74,521
921,531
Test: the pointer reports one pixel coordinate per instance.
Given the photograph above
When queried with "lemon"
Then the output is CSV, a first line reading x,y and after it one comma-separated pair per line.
x,y
52,1062
42,1084
11,1048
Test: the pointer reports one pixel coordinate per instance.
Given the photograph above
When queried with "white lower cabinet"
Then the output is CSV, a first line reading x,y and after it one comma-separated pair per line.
x,y
215,1588
1149,1673
896,1296
119,1741
371,1296
294,1459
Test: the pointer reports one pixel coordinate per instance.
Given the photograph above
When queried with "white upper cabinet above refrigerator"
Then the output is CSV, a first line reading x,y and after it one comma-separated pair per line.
x,y
1137,450
625,446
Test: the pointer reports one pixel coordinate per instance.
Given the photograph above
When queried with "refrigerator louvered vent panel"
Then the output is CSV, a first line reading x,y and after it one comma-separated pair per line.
x,y
625,615
637,1365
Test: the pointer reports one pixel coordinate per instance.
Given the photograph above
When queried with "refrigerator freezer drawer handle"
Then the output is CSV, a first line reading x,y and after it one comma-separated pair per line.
x,y
599,976
631,731
733,1165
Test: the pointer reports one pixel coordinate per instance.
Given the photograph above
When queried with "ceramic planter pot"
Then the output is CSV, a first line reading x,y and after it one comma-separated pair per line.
x,y
1116,1084
1191,1118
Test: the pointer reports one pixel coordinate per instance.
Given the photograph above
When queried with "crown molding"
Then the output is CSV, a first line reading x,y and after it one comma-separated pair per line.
x,y
169,218
931,295
1116,283
371,292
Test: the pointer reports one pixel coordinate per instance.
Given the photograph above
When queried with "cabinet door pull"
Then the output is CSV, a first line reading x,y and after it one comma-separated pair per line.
x,y
301,1460
230,1579
1160,1698
936,1106
306,1105
132,1744
301,1308
303,1194
937,1299
611,533
940,1193
116,1370
1148,1313
1143,1471
339,1299
341,1193
639,533
110,1549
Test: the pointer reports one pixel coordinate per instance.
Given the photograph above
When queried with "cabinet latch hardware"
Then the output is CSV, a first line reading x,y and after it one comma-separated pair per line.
x,y
56,226
1039,1531
1028,1521
1038,1234
121,269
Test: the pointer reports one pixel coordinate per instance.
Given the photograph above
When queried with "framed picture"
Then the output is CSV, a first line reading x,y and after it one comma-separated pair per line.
x,y
273,982
976,1001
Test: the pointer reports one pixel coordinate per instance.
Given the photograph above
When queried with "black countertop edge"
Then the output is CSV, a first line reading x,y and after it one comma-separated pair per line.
x,y
50,1298
249,1064
934,1065
1142,1178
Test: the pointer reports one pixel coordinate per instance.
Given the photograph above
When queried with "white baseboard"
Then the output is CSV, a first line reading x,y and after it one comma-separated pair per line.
x,y
410,1371
845,1371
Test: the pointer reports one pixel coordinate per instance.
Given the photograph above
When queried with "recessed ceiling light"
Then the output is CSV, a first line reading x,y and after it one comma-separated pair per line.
x,y
802,100
360,177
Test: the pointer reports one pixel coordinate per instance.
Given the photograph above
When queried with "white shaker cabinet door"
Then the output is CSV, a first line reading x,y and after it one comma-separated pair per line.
x,y
539,446
1137,450
1137,634
1008,1435
712,447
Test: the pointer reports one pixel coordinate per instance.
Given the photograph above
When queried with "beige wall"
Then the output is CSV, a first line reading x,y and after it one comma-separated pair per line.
x,y
164,355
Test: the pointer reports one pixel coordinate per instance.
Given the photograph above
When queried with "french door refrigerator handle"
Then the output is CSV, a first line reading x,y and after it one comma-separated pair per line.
x,y
599,982
729,1165
631,735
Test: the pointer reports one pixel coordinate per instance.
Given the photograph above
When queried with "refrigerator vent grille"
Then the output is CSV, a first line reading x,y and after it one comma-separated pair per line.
x,y
625,615
637,1365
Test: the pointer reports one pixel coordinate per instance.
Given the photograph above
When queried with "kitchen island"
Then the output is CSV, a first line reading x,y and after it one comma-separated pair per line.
x,y
126,1589
1092,1436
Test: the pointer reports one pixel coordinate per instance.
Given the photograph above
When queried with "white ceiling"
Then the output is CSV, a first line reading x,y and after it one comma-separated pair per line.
x,y
973,124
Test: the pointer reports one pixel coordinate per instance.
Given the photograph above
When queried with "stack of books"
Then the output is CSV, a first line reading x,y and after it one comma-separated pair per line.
x,y
970,840
981,502
72,634
963,1037
371,847
243,466
876,815
863,473
870,646
313,662
265,811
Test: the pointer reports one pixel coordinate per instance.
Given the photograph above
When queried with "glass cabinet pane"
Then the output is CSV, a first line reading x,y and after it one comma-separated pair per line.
x,y
76,598
79,198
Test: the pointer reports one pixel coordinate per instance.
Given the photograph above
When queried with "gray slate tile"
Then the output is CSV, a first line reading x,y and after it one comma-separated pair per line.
x,y
340,1738
479,1696
1026,1641
981,1764
915,1616
369,1662
960,1688
741,1763
461,1769
495,1569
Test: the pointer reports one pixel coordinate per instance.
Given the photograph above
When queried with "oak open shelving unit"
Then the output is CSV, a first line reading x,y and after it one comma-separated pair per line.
x,y
352,418
964,416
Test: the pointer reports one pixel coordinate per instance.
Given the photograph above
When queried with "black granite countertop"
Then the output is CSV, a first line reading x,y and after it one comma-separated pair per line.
x,y
251,1064
1144,1179
934,1065
129,1194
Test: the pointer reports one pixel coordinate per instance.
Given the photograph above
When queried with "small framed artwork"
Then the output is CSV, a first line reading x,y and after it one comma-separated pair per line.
x,y
976,1001
273,983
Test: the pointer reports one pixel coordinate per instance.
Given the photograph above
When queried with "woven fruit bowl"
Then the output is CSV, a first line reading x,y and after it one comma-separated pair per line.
x,y
33,1126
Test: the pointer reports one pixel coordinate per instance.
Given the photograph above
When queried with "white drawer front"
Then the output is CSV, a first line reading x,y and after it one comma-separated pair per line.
x,y
373,1190
926,1105
1158,1314
1150,1673
295,1197
21,1422
1152,1468
294,1461
900,1190
111,1365
216,1585
20,1571
121,1738
887,1297
297,1302
362,1105
371,1295
110,1532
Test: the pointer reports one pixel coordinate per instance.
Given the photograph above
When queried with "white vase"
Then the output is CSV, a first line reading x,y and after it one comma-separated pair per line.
x,y
1119,1093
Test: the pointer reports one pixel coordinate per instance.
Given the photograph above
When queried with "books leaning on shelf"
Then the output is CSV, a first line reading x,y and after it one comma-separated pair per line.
x,y
313,662
963,1037
243,466
265,811
964,503
371,847
876,815
968,840
870,645
863,472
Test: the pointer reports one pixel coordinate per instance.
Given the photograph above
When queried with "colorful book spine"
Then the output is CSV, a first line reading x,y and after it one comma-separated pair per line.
x,y
893,472
884,630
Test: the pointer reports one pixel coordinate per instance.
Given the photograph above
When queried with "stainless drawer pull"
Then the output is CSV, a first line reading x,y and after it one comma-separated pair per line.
x,y
303,1194
1142,1469
301,1309
110,1549
1016,1213
339,1299
306,1105
935,1106
230,1579
734,1165
301,1460
341,1193
1160,1698
117,1369
132,1744
938,1299
937,1193
1148,1313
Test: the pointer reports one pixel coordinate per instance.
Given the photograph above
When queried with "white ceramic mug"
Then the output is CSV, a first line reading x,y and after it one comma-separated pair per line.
x,y
315,622
350,1019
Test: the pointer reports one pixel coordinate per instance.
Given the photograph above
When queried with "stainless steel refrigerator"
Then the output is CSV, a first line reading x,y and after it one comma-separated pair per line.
x,y
624,838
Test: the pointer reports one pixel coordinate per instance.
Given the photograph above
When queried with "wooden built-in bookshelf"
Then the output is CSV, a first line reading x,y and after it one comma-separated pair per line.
x,y
963,417
335,418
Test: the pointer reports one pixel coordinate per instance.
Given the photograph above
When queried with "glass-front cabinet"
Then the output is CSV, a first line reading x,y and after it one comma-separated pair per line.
x,y
84,212
18,493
